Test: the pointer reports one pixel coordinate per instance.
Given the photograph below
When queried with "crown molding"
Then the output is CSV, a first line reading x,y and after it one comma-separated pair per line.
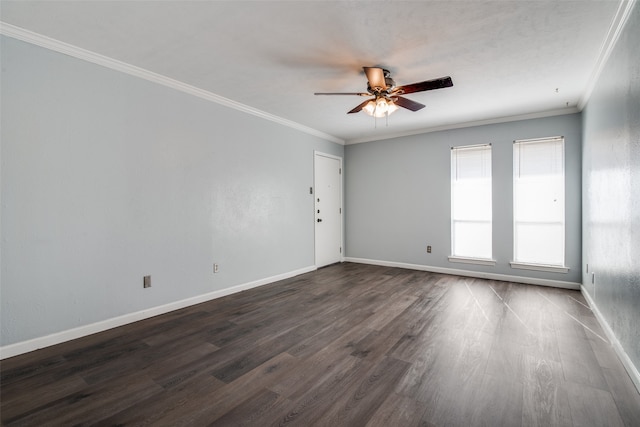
x,y
615,29
497,120
95,58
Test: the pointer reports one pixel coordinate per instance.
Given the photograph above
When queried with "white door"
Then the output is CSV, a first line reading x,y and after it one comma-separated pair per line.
x,y
328,209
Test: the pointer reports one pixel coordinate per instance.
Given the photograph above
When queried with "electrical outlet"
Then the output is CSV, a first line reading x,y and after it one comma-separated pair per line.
x,y
428,249
146,282
215,268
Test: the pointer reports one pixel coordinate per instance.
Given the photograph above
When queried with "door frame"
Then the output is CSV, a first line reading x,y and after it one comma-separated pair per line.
x,y
340,159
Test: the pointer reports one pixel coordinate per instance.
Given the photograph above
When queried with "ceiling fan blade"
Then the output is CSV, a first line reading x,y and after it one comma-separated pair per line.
x,y
375,76
407,103
427,85
343,93
359,107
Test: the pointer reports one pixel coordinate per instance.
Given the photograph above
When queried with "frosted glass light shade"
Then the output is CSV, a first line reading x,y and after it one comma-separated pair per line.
x,y
380,107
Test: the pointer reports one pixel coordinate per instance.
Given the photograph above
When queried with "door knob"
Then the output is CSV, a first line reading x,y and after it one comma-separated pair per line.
x,y
319,220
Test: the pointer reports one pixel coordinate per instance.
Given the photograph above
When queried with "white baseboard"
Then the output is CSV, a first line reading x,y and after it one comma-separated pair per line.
x,y
82,331
633,372
467,273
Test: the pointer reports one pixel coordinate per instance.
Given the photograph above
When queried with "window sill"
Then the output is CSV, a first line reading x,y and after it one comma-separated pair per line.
x,y
477,261
539,267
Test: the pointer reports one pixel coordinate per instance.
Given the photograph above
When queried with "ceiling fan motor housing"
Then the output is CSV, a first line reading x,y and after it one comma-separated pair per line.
x,y
388,80
390,83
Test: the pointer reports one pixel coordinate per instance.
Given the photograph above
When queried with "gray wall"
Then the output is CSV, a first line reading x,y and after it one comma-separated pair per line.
x,y
107,178
398,195
611,191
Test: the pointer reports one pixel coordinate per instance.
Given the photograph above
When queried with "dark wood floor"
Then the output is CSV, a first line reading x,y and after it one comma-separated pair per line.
x,y
348,345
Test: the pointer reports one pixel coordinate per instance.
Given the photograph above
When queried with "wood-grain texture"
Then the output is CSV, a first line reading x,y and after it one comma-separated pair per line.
x,y
347,345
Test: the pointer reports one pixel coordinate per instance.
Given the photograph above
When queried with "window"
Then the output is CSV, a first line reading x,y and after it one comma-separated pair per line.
x,y
471,204
538,203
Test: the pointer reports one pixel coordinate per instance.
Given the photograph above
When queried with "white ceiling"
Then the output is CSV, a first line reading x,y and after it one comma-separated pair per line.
x,y
506,58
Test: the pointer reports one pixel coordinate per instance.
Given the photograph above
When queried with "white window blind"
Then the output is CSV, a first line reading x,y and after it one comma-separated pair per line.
x,y
538,197
471,202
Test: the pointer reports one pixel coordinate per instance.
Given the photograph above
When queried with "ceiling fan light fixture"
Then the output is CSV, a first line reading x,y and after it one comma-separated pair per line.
x,y
381,107
370,108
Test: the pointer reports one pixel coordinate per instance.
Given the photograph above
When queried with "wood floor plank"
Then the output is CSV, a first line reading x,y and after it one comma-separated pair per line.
x,y
358,402
579,362
175,402
90,404
38,395
506,360
319,365
319,395
335,330
545,400
161,368
592,406
446,394
245,360
206,407
319,369
346,345
389,311
251,411
170,355
17,369
498,402
397,410
22,381
624,393
379,342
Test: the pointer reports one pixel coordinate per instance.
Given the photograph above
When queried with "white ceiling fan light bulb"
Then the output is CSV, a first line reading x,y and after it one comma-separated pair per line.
x,y
370,108
391,107
379,107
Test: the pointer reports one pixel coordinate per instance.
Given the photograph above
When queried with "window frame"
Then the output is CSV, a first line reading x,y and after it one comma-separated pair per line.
x,y
465,258
524,264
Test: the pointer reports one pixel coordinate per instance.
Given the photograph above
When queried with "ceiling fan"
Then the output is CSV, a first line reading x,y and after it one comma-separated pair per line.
x,y
386,95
